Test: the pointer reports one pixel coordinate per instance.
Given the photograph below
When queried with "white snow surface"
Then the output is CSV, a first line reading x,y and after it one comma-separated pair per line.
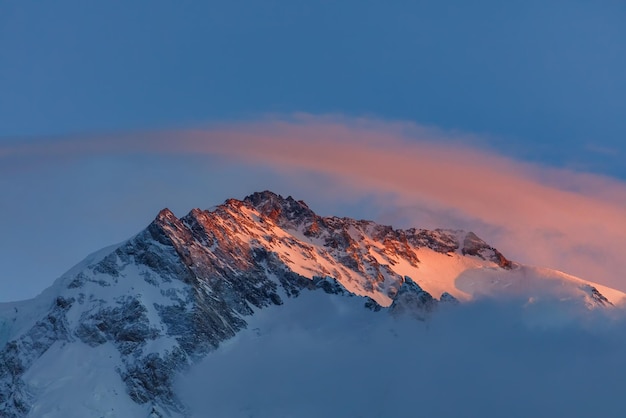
x,y
73,380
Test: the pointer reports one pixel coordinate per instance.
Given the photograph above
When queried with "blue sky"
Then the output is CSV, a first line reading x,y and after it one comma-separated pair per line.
x,y
537,81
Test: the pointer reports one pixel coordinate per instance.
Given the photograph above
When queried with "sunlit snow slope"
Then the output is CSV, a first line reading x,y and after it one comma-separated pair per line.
x,y
371,260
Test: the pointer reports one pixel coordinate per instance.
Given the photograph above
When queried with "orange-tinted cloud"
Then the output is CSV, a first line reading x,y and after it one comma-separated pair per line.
x,y
575,222
571,221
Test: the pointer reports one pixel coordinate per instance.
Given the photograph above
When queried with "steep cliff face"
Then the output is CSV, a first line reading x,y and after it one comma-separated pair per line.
x,y
152,306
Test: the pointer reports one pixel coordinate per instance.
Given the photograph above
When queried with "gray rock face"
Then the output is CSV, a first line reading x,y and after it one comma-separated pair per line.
x,y
330,286
125,325
186,285
475,246
448,298
412,300
595,295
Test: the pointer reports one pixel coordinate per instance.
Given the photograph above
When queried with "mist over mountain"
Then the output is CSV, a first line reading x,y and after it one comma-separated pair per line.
x,y
260,307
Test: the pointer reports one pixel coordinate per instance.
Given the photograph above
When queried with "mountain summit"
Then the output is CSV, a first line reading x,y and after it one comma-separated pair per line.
x,y
140,312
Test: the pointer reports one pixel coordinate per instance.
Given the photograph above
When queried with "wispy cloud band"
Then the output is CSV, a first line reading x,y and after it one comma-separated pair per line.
x,y
558,218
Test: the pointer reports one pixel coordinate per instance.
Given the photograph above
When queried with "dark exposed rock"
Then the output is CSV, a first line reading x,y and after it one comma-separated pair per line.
x,y
77,282
108,266
281,210
472,245
411,299
330,285
595,295
372,305
448,298
151,378
438,240
126,325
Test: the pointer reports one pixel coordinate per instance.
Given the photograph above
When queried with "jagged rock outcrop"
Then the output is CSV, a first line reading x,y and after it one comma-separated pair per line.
x,y
412,300
472,245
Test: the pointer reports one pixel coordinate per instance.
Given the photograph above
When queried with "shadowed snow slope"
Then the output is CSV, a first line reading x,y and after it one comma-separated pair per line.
x,y
110,336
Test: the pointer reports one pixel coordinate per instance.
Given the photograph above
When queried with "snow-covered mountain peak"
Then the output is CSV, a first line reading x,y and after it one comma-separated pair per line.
x,y
157,303
165,215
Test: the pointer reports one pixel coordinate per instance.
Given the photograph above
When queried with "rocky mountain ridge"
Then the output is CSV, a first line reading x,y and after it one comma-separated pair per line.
x,y
173,293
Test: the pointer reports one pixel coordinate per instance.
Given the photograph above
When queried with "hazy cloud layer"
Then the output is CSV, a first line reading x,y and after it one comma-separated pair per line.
x,y
483,359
